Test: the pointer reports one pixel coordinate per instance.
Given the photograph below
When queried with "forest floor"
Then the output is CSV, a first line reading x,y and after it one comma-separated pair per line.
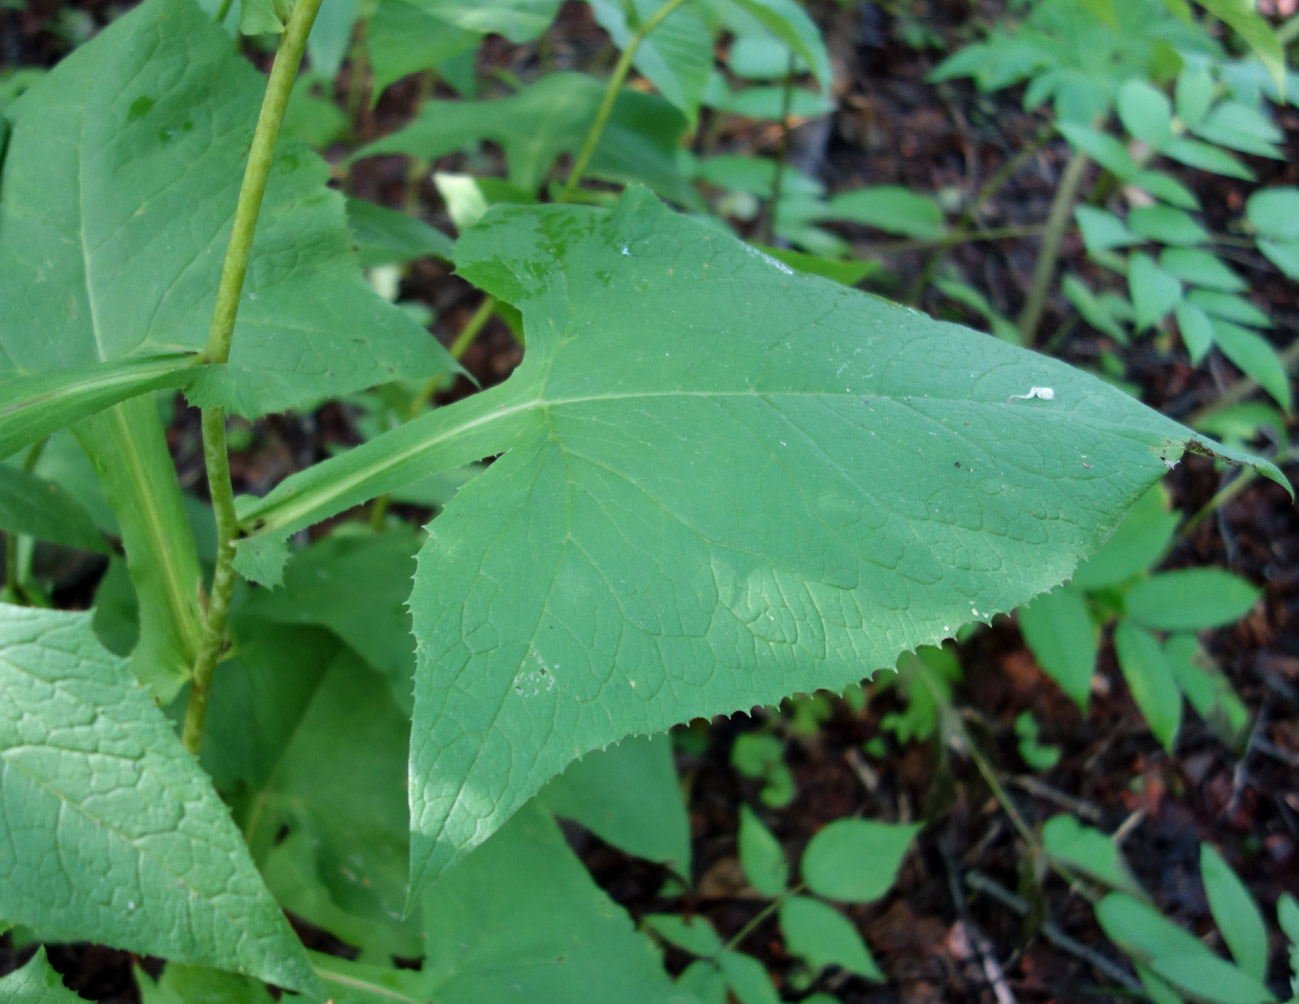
x,y
948,931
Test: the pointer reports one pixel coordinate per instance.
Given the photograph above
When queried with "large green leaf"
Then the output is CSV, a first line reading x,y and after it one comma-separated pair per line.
x,y
112,832
746,483
770,490
115,209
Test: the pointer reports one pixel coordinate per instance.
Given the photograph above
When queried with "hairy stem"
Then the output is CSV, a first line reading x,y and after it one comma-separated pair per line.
x,y
1056,223
261,155
620,71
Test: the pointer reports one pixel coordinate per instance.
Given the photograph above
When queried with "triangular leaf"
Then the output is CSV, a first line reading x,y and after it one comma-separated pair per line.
x,y
753,483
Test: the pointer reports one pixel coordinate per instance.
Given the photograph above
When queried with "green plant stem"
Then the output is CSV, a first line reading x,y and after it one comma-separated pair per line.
x,y
261,156
950,240
620,71
458,348
1056,223
782,154
222,11
990,188
418,165
762,915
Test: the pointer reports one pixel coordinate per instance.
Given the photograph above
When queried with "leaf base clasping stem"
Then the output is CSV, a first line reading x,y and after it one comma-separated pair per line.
x,y
261,155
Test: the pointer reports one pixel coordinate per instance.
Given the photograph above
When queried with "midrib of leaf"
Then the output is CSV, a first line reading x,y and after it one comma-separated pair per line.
x,y
95,382
160,548
320,963
85,237
295,504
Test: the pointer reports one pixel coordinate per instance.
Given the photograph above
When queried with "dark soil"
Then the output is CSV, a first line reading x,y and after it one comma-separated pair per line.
x,y
937,938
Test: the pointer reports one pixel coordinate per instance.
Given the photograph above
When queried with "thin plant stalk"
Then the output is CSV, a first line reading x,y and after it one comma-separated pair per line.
x,y
418,166
990,188
222,11
782,154
261,156
1056,224
620,71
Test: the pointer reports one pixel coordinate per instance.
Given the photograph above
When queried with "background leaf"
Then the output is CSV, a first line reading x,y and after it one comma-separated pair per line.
x,y
37,983
114,834
823,936
1235,912
1190,599
1151,680
761,856
628,795
1063,638
111,245
855,859
525,915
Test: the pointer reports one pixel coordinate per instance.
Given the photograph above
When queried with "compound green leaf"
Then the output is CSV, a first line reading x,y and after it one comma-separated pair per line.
x,y
405,36
37,983
676,57
1137,543
761,855
1151,680
1209,691
113,832
856,859
748,979
789,22
1145,111
695,935
823,936
1256,356
1089,850
890,208
629,796
1243,18
522,919
118,190
1176,955
384,236
1062,636
1190,599
1154,291
1237,915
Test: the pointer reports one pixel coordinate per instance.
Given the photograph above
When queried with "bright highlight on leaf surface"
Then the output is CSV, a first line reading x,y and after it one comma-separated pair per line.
x,y
721,483
110,831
